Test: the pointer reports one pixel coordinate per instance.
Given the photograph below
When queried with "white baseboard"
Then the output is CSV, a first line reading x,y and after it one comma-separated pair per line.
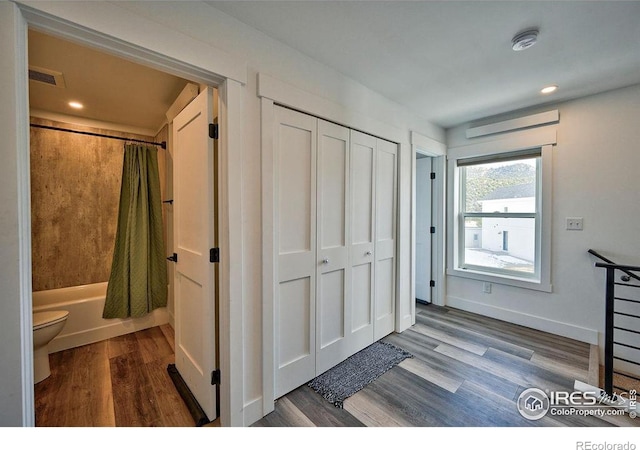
x,y
539,323
66,341
253,411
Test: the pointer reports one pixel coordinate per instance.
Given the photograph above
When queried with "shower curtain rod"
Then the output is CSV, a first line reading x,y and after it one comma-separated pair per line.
x,y
162,144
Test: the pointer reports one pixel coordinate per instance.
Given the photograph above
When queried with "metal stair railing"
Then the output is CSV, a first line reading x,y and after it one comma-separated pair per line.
x,y
620,337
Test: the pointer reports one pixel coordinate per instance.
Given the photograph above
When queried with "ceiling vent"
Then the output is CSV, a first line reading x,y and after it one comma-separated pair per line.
x,y
46,76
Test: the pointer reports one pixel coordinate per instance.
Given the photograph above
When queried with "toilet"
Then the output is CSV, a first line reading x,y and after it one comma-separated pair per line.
x,y
46,326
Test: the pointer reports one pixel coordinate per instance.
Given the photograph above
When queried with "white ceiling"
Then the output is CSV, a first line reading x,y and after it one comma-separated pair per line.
x,y
451,61
111,89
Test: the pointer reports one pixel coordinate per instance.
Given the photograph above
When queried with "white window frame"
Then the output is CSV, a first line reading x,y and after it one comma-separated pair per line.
x,y
543,139
536,215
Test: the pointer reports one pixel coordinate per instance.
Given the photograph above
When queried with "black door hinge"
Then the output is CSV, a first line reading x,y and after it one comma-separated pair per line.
x,y
215,377
173,257
433,230
432,283
433,175
214,255
213,130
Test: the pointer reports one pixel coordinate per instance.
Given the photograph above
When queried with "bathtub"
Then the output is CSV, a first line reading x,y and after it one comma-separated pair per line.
x,y
85,324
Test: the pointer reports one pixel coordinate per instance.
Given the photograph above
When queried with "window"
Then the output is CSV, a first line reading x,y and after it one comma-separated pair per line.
x,y
500,232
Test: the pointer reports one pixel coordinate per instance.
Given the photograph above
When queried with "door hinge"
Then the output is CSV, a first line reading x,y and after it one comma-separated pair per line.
x,y
214,255
173,257
433,230
215,377
213,130
432,283
433,175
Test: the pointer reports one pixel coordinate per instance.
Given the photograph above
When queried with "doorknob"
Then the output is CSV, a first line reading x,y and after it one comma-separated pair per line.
x,y
325,261
173,257
368,253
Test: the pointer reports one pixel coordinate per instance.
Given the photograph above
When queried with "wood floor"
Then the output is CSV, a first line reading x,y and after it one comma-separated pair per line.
x,y
467,371
121,382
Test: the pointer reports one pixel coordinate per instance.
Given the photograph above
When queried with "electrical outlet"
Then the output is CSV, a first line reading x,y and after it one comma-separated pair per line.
x,y
486,288
575,223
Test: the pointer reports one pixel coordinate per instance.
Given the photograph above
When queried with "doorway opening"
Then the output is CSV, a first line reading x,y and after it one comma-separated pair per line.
x,y
424,229
75,181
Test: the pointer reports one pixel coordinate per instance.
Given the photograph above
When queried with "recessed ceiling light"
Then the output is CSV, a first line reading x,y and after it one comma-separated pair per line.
x,y
76,105
549,89
524,40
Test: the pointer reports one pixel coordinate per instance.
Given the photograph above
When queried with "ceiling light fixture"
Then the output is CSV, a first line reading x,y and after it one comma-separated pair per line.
x,y
524,40
76,105
548,89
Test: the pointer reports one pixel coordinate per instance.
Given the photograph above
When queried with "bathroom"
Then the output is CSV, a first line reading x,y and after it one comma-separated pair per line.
x,y
76,160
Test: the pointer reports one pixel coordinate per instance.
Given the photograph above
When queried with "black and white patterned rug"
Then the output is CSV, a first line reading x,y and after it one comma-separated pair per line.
x,y
360,369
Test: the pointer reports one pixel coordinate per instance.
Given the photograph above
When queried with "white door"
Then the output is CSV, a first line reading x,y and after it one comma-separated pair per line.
x,y
193,194
363,186
423,228
333,299
295,249
385,238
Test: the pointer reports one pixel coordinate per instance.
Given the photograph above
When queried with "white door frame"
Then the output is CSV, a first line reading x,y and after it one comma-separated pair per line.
x,y
229,197
436,150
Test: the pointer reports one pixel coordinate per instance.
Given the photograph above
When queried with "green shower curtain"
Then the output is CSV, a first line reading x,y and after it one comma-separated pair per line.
x,y
138,280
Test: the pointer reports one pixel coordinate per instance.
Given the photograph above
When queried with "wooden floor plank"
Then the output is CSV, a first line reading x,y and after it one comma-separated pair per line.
x,y
62,396
152,344
456,368
503,412
291,415
173,410
446,381
545,344
169,335
372,413
134,400
561,367
428,403
121,381
441,323
449,338
121,345
320,411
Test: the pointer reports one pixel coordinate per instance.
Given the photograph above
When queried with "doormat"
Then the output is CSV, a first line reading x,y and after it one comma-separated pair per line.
x,y
357,371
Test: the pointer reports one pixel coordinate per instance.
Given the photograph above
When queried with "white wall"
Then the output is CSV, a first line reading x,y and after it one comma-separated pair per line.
x,y
596,166
159,25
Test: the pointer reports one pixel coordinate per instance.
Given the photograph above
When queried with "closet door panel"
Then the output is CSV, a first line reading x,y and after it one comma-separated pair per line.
x,y
295,333
295,242
333,310
385,242
361,252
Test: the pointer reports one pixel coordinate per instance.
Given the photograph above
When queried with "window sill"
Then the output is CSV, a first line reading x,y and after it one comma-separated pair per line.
x,y
501,279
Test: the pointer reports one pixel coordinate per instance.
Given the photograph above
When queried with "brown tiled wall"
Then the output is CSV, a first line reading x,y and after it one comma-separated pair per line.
x,y
75,191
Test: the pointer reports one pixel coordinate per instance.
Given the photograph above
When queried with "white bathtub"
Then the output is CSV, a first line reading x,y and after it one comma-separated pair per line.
x,y
85,324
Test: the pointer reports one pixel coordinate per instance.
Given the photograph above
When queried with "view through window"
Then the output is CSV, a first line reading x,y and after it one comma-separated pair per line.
x,y
499,210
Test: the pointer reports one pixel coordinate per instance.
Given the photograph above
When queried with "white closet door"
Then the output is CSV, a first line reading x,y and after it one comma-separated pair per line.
x,y
385,242
295,246
363,192
333,299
